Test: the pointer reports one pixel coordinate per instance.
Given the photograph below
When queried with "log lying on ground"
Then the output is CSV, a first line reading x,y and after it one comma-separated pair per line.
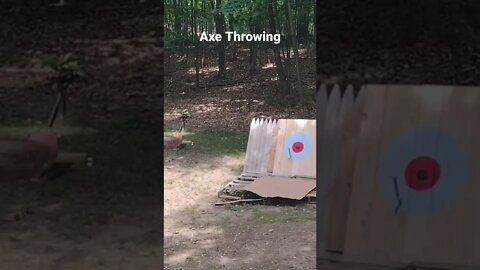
x,y
63,163
35,158
26,160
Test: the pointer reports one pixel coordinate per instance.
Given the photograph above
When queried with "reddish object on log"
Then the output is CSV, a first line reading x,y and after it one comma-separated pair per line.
x,y
173,142
27,160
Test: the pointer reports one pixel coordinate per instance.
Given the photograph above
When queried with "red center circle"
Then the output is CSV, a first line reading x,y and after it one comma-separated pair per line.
x,y
422,173
297,147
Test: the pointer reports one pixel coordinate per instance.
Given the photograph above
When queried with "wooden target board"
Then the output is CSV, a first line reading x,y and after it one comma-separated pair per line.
x,y
261,145
295,151
416,178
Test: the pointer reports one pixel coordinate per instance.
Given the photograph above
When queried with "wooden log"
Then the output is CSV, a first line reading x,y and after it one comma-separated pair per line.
x,y
228,197
237,201
71,158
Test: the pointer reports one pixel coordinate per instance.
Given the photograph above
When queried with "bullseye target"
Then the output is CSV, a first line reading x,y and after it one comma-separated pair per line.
x,y
298,146
423,172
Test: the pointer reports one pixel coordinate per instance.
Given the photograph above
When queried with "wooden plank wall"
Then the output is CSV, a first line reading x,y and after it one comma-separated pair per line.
x,y
343,174
336,115
260,146
265,149
283,165
376,230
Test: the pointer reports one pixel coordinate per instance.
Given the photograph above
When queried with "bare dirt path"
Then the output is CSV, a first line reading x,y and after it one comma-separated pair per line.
x,y
199,235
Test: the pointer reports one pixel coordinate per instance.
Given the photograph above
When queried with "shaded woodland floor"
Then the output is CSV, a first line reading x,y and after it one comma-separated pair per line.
x,y
232,103
107,216
199,235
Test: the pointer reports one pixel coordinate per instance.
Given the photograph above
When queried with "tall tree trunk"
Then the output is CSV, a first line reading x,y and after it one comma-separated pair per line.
x,y
302,20
194,29
220,29
253,48
177,24
197,65
231,22
287,42
284,83
294,41
197,47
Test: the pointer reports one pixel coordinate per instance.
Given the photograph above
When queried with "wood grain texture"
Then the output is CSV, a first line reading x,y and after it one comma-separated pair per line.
x,y
337,219
326,162
259,154
375,232
285,166
320,211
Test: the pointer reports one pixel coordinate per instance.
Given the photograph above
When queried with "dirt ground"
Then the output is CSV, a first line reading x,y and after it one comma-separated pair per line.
x,y
199,235
108,216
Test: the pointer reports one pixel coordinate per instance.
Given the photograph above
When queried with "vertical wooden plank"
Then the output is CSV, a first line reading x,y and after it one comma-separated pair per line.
x,y
266,145
325,165
261,145
279,166
468,106
387,222
273,144
256,143
321,103
320,113
337,219
248,156
305,168
434,233
358,232
431,104
327,157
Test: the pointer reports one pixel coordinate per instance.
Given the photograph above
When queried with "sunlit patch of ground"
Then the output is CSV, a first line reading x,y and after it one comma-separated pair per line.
x,y
199,235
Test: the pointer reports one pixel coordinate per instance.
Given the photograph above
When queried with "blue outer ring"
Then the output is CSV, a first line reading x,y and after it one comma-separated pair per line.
x,y
424,142
298,137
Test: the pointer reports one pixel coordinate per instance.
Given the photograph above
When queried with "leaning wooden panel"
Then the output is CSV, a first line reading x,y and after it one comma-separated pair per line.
x,y
468,105
320,119
452,194
248,156
295,153
388,221
307,166
259,147
421,147
251,156
273,129
326,162
417,208
280,166
385,201
337,219
358,233
321,108
262,147
328,139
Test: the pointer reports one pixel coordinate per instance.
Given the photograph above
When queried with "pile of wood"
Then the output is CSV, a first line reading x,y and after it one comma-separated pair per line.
x,y
235,192
268,165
